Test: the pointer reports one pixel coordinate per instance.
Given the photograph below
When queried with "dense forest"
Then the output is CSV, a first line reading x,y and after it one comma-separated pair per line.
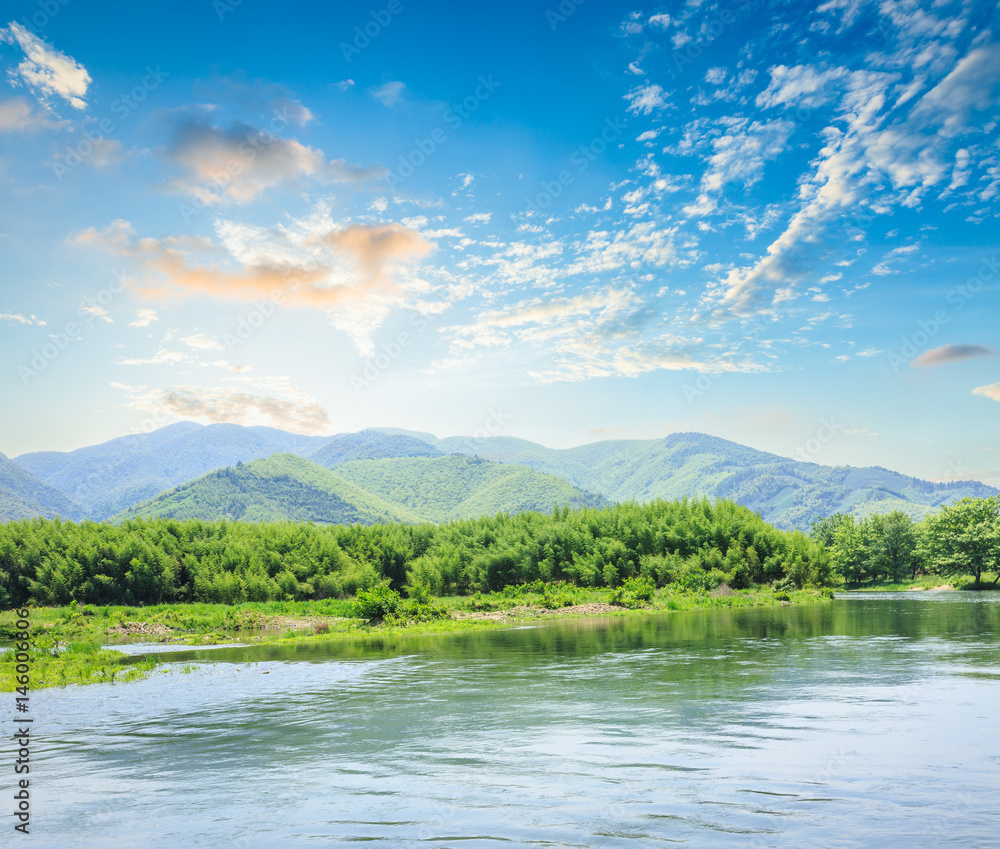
x,y
694,544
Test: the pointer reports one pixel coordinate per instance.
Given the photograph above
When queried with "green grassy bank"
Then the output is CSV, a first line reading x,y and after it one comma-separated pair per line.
x,y
66,642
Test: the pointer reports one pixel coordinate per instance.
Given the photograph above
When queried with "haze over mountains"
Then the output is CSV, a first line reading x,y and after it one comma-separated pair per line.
x,y
188,470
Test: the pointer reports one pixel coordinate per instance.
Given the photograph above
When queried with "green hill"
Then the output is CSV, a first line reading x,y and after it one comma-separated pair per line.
x,y
104,480
281,487
459,487
404,489
368,445
113,476
23,496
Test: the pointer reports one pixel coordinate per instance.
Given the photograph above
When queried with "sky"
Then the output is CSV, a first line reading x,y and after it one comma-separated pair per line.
x,y
773,222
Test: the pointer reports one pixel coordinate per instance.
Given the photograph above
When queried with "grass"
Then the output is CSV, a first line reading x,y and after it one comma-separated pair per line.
x,y
75,663
67,641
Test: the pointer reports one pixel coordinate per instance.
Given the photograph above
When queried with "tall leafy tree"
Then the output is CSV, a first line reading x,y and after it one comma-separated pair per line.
x,y
965,538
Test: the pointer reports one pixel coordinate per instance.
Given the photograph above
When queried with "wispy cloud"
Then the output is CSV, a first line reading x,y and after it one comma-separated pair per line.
x,y
17,318
273,402
144,318
17,115
350,271
45,70
203,342
644,99
991,391
390,93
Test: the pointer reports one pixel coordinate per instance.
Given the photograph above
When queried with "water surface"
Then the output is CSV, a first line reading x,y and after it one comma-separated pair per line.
x,y
866,721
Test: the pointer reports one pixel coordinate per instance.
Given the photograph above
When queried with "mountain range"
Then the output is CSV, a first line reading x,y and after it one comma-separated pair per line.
x,y
187,470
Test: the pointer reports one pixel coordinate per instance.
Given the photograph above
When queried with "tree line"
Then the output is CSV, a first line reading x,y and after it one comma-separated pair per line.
x,y
691,543
962,539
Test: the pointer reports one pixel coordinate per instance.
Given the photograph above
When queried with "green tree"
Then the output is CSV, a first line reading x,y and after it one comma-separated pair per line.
x,y
893,541
964,538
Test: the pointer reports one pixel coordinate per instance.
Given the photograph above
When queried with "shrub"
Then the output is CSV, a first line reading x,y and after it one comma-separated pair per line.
x,y
634,593
377,604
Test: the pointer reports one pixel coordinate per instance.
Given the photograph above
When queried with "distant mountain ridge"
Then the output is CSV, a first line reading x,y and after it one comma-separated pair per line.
x,y
788,493
23,496
106,480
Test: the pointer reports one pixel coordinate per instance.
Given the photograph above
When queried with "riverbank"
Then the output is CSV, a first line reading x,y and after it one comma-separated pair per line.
x,y
74,644
930,583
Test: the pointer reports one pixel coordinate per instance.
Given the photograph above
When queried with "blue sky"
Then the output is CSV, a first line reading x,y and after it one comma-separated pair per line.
x,y
772,222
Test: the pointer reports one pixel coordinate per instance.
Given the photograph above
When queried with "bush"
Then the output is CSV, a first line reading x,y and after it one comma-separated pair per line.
x,y
382,604
634,593
377,604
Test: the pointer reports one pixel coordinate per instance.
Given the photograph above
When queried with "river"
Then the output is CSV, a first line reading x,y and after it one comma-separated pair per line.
x,y
869,721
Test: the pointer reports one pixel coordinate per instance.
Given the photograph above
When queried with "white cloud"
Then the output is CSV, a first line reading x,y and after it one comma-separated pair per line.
x,y
991,391
801,86
273,402
144,318
479,218
344,270
875,149
973,85
739,157
17,318
202,342
646,98
17,115
45,70
389,94
601,333
96,312
162,357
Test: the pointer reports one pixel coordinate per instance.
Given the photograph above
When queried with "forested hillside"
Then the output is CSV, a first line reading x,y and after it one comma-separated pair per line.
x,y
280,488
106,479
787,492
459,487
370,444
